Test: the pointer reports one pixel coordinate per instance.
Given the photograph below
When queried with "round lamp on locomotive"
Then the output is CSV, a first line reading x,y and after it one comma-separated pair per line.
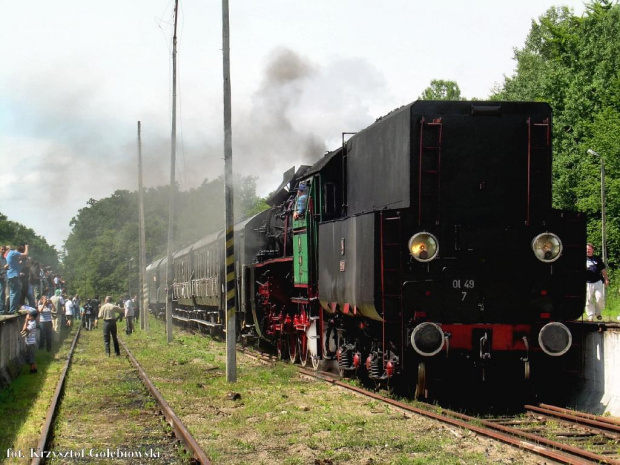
x,y
547,247
555,339
423,246
427,339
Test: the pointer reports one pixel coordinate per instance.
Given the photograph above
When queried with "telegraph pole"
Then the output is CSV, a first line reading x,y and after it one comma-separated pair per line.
x,y
603,214
172,180
231,278
144,303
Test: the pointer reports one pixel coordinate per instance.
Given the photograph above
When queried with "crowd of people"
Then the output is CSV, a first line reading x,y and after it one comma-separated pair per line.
x,y
59,312
27,285
23,281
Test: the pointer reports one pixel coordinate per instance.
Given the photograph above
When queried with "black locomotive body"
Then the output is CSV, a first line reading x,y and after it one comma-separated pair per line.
x,y
428,241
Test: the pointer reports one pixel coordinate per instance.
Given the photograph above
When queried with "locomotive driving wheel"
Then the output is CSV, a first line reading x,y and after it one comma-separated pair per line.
x,y
315,360
280,348
292,348
421,388
212,327
302,349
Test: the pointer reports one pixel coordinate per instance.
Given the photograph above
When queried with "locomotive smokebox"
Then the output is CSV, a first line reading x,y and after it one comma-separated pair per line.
x,y
427,339
555,339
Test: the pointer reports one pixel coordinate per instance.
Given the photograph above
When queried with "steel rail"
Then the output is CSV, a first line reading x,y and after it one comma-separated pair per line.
x,y
53,408
574,419
181,432
575,413
505,434
597,458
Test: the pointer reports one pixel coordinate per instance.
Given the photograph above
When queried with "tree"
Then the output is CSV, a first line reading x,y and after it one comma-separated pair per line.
x,y
572,63
103,243
442,90
13,233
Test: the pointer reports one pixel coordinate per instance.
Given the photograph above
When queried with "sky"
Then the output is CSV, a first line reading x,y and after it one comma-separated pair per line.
x,y
77,76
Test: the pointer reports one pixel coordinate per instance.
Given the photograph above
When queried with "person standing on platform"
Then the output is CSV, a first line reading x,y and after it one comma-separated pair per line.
x,y
45,322
597,281
3,251
14,268
106,312
30,332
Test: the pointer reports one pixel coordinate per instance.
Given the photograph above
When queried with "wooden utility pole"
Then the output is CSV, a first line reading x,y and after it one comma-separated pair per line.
x,y
231,278
144,303
172,180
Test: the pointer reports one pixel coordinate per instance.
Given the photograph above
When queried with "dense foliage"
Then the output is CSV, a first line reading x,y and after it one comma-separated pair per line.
x,y
573,63
102,250
441,89
14,234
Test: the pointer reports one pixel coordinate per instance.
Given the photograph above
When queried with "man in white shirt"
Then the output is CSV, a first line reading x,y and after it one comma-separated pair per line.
x,y
69,310
129,314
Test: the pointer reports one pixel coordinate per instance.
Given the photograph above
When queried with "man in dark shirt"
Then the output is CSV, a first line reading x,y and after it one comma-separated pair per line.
x,y
597,280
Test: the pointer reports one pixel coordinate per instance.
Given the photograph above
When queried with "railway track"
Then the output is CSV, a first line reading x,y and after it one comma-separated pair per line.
x,y
558,434
87,435
599,441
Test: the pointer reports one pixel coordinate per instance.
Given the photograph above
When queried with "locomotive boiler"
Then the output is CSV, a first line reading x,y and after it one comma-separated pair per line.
x,y
426,244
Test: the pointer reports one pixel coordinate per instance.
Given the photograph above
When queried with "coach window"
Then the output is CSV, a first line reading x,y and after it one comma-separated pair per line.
x,y
208,264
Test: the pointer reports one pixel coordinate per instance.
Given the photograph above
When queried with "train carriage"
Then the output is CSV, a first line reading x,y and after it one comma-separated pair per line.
x,y
155,286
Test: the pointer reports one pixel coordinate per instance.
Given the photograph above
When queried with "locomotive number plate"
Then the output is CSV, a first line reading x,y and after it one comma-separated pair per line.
x,y
465,286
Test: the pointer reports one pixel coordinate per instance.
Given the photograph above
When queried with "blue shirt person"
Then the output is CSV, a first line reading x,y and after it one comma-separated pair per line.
x,y
3,270
14,268
302,201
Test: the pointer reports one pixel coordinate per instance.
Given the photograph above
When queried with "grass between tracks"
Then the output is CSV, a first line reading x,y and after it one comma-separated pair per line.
x,y
24,403
273,415
105,408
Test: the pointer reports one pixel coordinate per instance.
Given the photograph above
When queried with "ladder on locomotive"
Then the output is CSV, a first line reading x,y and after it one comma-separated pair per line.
x,y
391,270
538,167
429,171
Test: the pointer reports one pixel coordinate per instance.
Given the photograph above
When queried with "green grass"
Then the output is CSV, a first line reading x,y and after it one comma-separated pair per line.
x,y
24,403
281,417
612,307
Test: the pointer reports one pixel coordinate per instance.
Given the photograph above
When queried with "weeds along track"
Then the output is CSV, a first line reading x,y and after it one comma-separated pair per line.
x,y
106,409
555,433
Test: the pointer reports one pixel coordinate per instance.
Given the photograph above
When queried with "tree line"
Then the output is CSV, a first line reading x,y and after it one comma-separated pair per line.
x,y
102,255
14,234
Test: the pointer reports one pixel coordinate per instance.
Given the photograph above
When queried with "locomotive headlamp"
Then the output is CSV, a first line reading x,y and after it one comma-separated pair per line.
x,y
555,339
547,247
423,246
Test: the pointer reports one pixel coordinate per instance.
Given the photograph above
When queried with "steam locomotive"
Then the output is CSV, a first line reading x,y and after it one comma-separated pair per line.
x,y
425,245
